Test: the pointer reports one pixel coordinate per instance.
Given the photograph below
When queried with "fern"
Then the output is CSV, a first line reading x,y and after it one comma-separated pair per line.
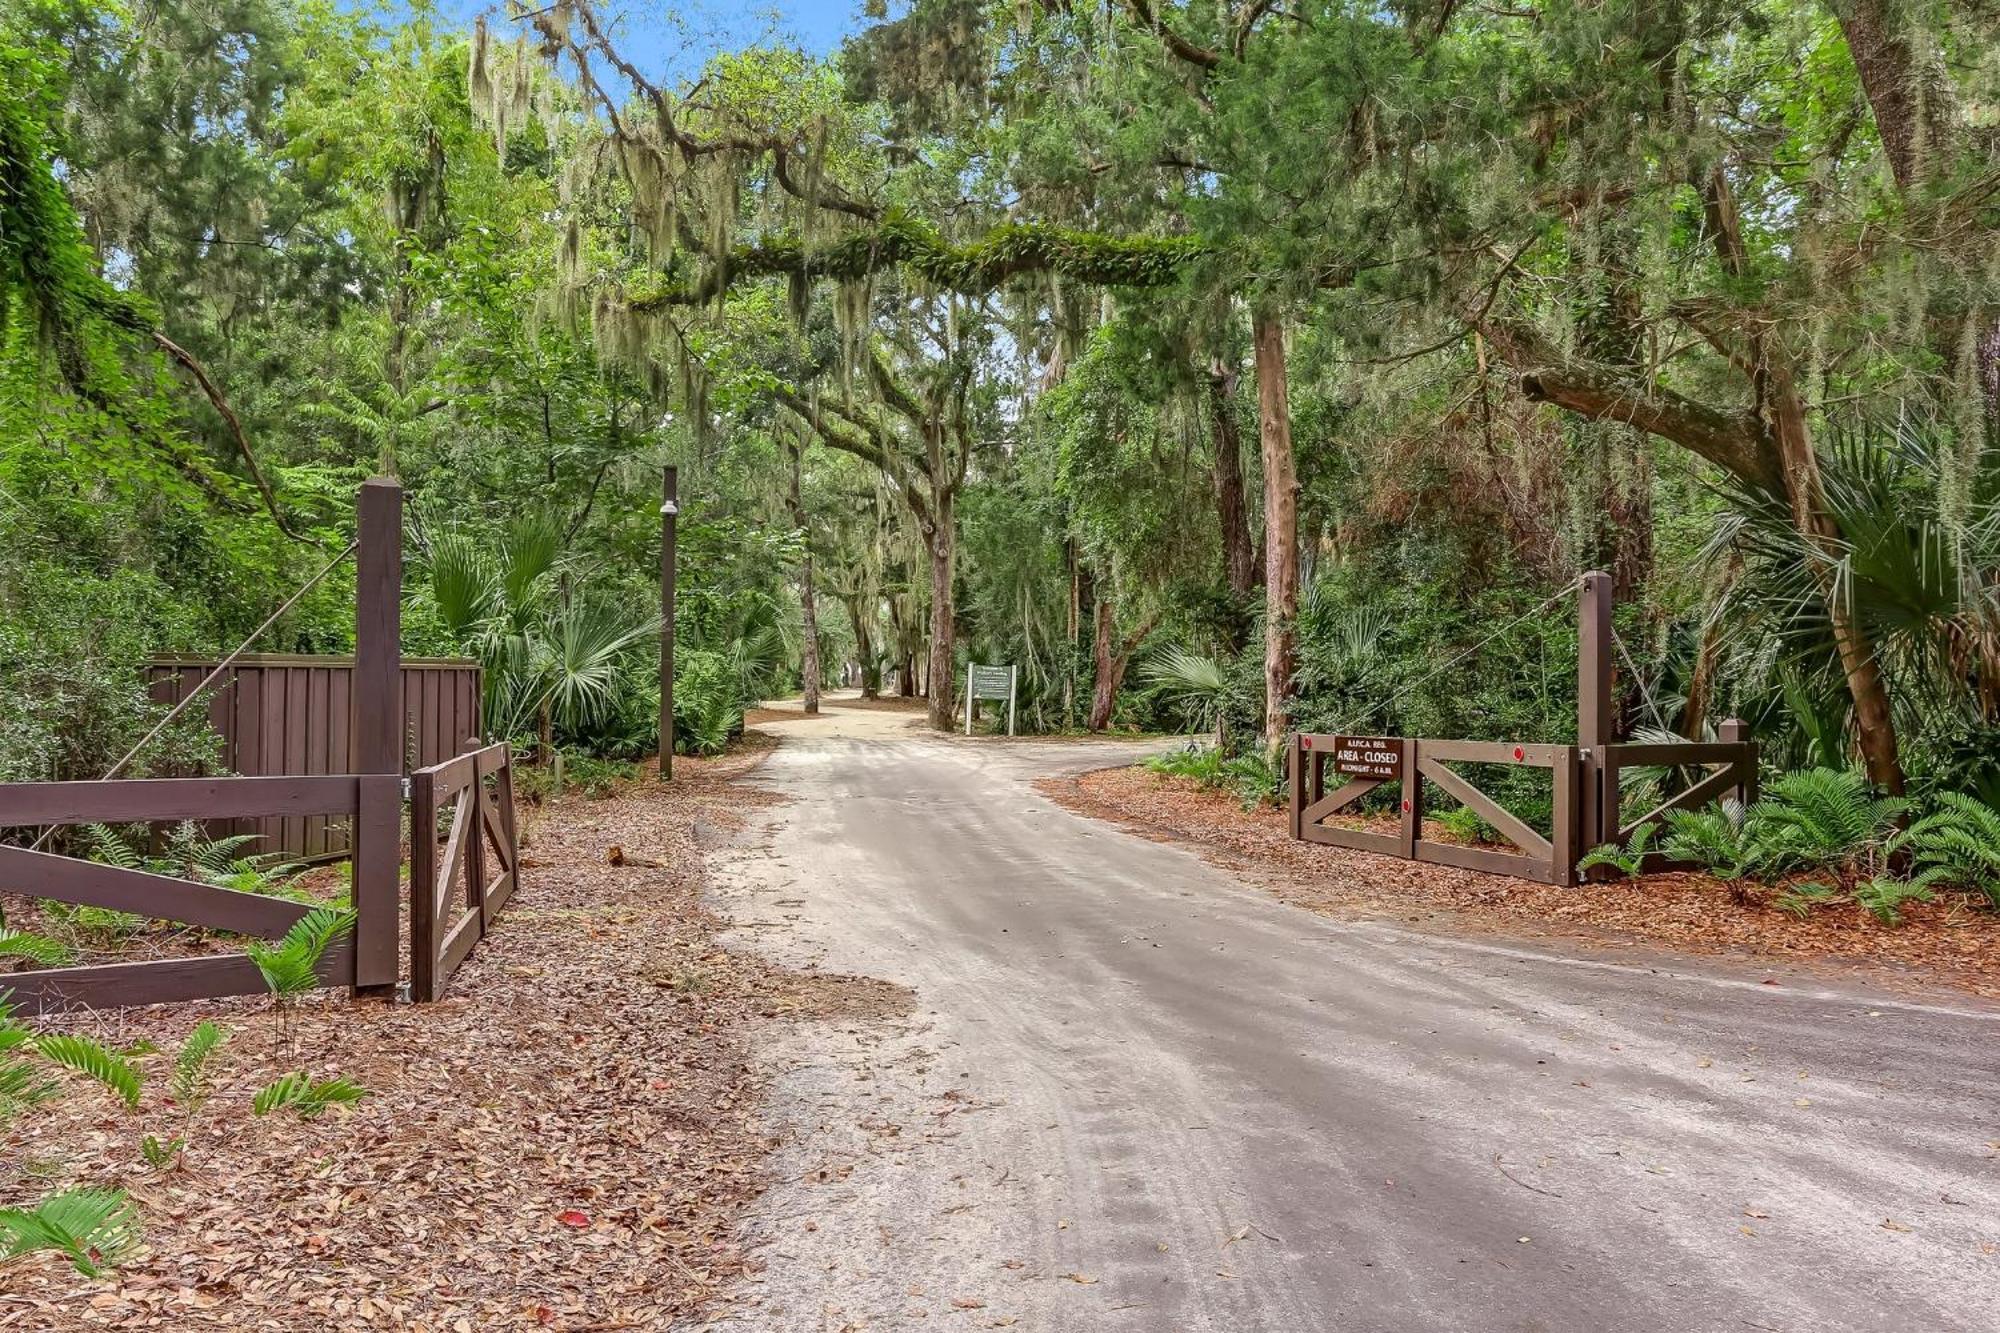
x,y
159,1154
306,1096
94,1229
1884,898
1959,843
291,966
1824,817
23,1085
107,847
96,1061
1718,840
1800,899
189,1085
1630,861
34,948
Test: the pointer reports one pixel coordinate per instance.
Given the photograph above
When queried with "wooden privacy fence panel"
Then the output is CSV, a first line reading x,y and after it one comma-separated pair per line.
x,y
366,958
288,715
458,887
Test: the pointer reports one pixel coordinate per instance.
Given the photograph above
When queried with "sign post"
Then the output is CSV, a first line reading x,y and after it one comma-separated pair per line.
x,y
991,682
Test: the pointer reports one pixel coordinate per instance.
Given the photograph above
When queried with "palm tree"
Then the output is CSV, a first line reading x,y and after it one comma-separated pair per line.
x,y
549,658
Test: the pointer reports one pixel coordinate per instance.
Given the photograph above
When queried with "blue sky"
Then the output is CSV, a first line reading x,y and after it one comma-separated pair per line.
x,y
675,38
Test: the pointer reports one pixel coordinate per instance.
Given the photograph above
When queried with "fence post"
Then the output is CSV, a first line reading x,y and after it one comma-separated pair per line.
x,y
670,508
1595,725
1296,764
377,722
1413,800
1736,731
423,887
1562,830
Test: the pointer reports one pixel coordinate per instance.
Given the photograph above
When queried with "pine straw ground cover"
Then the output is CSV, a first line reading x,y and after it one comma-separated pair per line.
x,y
1951,942
563,1142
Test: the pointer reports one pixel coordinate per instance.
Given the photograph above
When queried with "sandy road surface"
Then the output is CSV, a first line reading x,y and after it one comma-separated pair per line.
x,y
1133,1094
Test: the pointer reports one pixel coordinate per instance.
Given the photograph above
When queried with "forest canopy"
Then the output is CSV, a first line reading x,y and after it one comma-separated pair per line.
x,y
1228,366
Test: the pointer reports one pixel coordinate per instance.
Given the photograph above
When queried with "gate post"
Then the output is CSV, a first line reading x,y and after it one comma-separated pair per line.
x,y
1737,732
1297,764
1595,725
377,740
1412,827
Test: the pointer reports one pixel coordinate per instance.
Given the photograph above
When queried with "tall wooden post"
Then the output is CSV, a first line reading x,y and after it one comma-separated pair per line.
x,y
670,508
376,743
1735,731
1596,726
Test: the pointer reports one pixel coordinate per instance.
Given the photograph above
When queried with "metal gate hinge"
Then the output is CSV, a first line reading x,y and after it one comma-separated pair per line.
x,y
406,789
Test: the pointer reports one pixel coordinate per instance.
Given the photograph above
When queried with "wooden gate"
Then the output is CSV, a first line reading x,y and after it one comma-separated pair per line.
x,y
367,959
459,887
1371,762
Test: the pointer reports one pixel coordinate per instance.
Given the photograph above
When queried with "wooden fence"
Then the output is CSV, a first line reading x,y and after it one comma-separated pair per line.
x,y
457,890
290,715
368,958
1415,766
1418,764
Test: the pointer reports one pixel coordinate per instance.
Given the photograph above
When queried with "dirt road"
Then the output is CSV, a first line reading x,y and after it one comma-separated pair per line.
x,y
1134,1094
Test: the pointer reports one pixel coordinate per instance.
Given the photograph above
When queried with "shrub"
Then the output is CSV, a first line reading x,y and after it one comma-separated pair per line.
x,y
708,703
1959,844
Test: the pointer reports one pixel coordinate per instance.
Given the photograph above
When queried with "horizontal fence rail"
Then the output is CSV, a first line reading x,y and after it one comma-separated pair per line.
x,y
372,802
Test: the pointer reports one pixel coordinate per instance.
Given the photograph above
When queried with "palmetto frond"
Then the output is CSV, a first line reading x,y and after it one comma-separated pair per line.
x,y
94,1229
96,1061
39,949
290,967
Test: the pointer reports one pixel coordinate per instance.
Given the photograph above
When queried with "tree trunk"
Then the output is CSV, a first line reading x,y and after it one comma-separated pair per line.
x,y
1908,88
808,614
942,542
1798,464
1110,658
1238,556
1874,720
864,648
1281,524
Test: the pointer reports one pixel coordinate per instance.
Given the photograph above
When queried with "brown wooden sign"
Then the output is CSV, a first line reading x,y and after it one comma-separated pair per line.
x,y
1368,757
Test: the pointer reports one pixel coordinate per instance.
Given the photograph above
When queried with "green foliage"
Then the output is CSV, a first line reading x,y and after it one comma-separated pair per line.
x,y
290,967
1629,861
1884,897
23,1084
1718,839
94,1060
1799,899
1958,843
1823,819
310,1098
708,703
1249,777
190,1084
95,1230
1198,686
37,949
